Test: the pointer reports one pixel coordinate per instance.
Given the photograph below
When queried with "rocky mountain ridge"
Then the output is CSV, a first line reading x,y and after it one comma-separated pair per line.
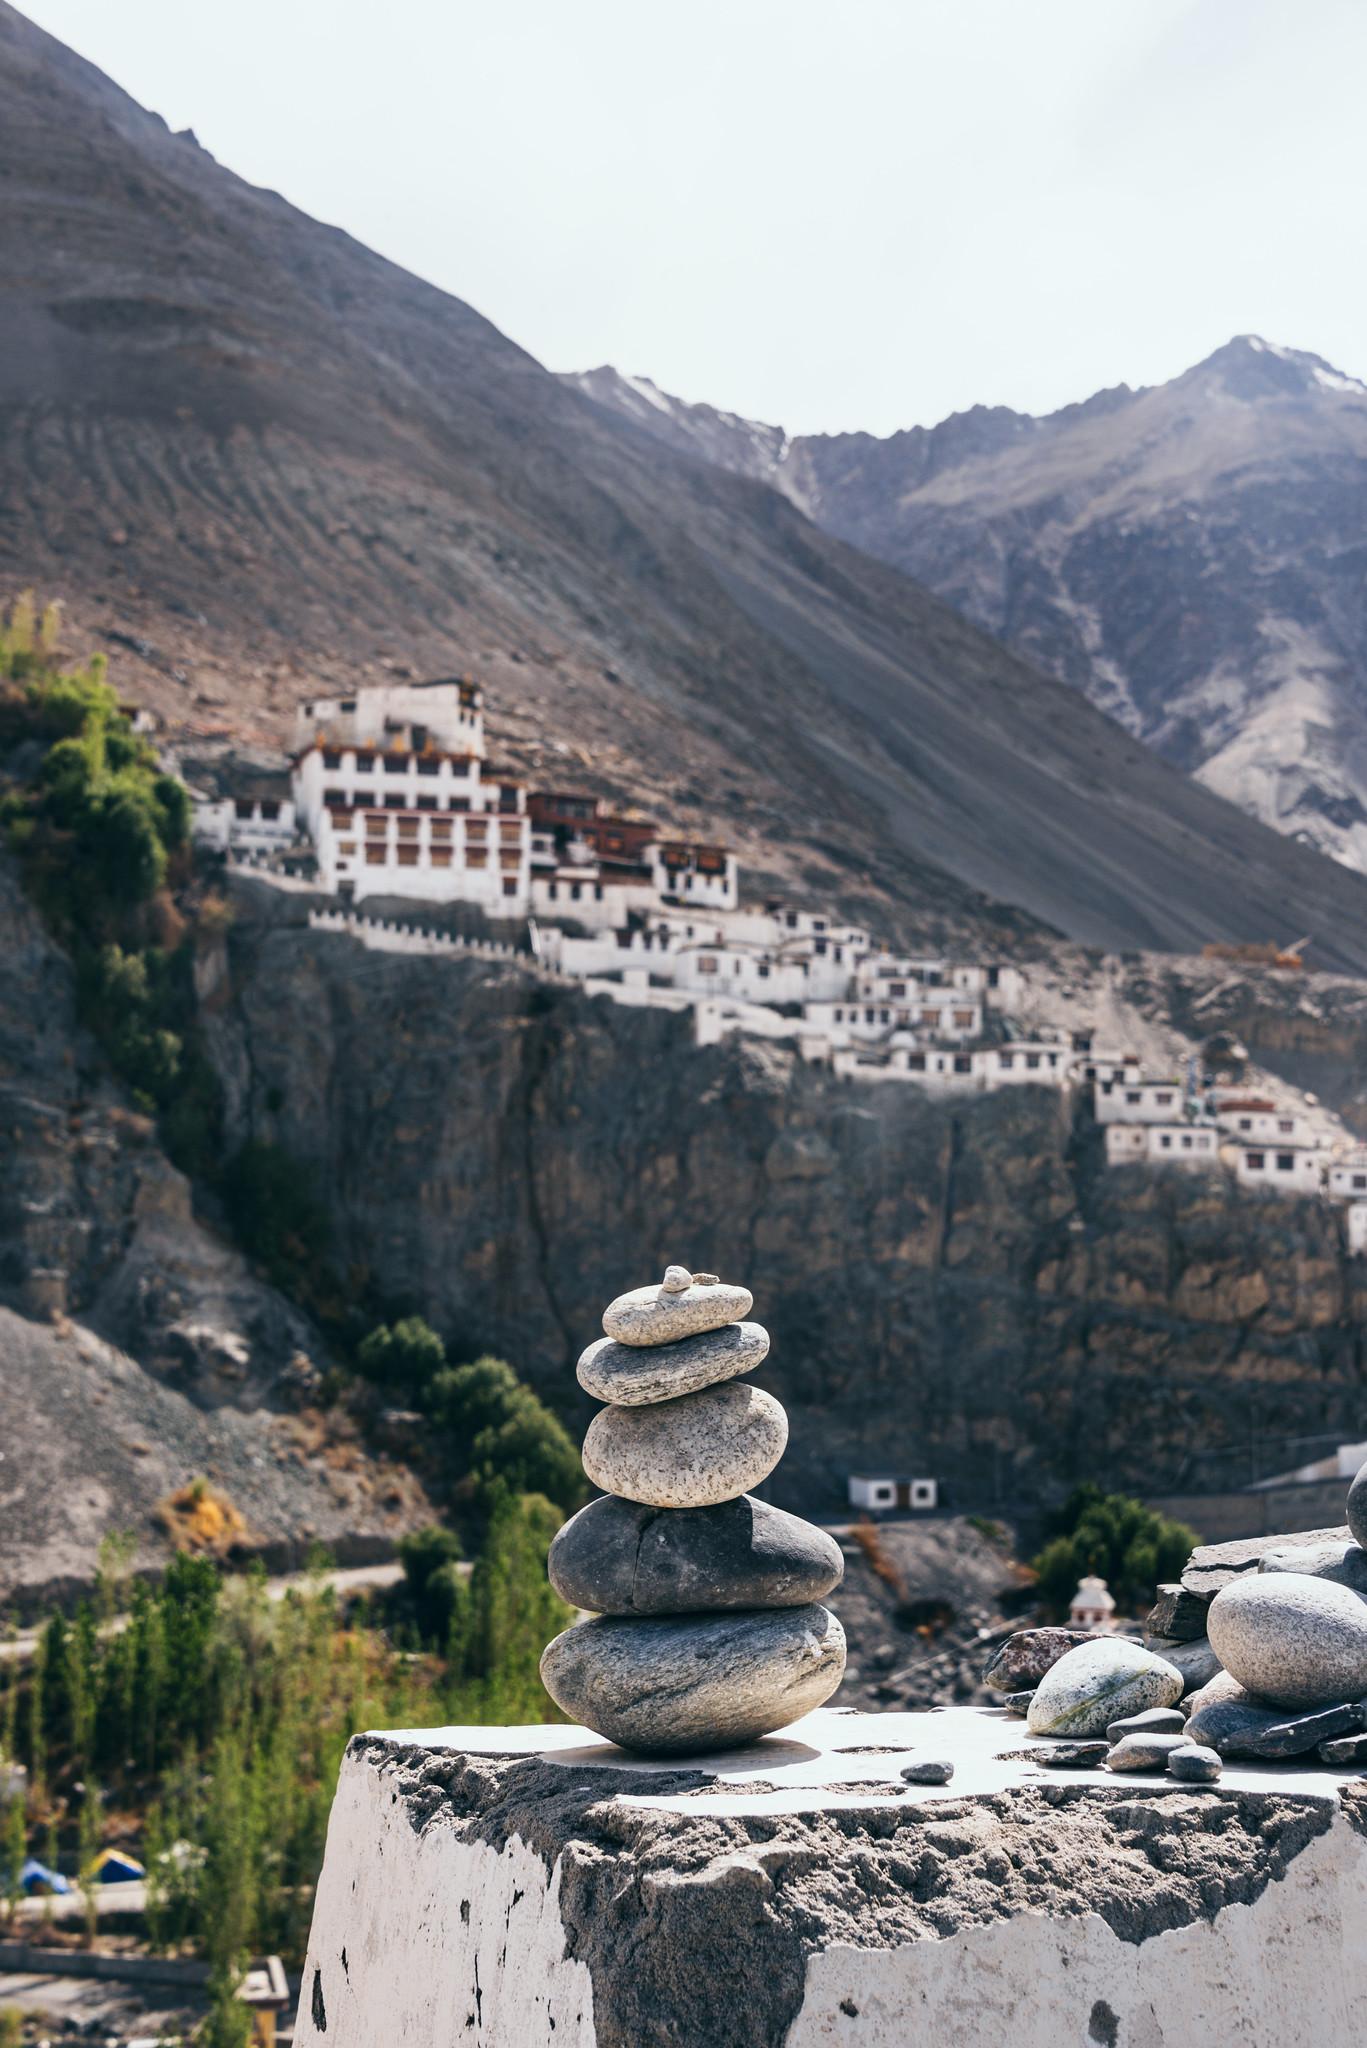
x,y
1189,555
260,461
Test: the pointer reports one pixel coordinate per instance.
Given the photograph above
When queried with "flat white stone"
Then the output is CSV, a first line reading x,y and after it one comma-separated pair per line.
x,y
691,1453
636,1375
662,1315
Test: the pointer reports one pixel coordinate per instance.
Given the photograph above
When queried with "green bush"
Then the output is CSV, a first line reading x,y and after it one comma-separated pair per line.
x,y
1116,1539
404,1358
500,1430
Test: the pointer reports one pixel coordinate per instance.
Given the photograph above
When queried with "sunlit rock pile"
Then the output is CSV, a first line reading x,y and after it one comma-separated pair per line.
x,y
708,1629
1259,1652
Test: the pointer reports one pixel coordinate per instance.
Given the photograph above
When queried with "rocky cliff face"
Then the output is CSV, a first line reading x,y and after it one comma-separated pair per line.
x,y
137,1349
1189,556
952,1289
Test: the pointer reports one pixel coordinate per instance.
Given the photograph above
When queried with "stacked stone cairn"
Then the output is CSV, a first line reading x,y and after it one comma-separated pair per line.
x,y
1259,1652
707,1630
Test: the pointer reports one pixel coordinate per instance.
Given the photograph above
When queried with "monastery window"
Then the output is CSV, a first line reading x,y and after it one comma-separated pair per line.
x,y
840,1016
964,1019
507,798
425,803
440,830
477,829
510,829
476,857
1284,1123
895,988
763,969
1133,1095
931,1017
332,757
375,829
1245,1123
597,892
554,893
1186,1144
1032,1060
735,966
509,886
820,947
1163,1098
916,1063
270,810
1360,1180
460,767
707,963
408,828
885,1016
408,856
374,856
1006,1059
510,857
457,803
1255,1161
428,764
395,803
1286,1162
963,1063
1165,1142
818,924
242,807
574,892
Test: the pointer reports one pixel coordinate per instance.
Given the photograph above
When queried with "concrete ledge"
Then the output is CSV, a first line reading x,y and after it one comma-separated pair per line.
x,y
538,1888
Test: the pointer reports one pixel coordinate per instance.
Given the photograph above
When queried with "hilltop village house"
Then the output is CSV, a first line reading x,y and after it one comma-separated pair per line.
x,y
391,794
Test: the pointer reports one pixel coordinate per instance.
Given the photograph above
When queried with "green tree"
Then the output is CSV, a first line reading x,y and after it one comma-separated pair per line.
x,y
404,1358
500,1430
1115,1538
429,1557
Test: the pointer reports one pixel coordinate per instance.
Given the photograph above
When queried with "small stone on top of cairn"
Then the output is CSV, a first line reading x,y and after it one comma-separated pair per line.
x,y
707,1626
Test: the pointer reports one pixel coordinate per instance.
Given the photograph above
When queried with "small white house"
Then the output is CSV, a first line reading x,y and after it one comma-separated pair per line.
x,y
880,1494
1348,1177
1262,1124
1294,1169
1138,1102
243,824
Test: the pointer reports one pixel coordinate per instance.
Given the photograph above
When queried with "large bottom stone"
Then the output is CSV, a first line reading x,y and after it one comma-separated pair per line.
x,y
680,1685
620,1557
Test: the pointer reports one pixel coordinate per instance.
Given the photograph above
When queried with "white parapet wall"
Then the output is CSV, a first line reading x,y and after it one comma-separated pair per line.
x,y
537,1888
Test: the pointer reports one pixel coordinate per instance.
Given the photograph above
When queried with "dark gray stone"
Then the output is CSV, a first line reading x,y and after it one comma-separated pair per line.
x,y
620,1557
1293,1641
1196,1661
1177,1614
1226,1718
1147,1752
1074,1756
1193,1764
1357,1508
1154,1721
938,1771
1344,1750
692,1683
1213,1565
1025,1656
634,1375
1017,1703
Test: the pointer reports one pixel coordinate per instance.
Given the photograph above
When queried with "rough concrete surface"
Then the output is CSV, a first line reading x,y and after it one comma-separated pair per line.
x,y
517,1888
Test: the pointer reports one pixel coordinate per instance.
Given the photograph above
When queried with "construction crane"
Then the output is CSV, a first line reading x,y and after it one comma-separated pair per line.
x,y
1260,953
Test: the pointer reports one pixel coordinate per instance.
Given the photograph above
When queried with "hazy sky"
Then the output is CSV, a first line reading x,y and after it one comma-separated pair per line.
x,y
825,213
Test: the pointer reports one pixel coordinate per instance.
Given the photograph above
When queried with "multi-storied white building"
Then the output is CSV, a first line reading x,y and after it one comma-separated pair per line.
x,y
393,788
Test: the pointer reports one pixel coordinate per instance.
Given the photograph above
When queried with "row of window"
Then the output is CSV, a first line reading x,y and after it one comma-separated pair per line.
x,y
962,1020
398,764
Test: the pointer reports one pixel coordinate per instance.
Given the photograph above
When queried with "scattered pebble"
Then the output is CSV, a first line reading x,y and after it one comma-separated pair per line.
x,y
1144,1752
1194,1764
1156,1721
1017,1703
936,1772
1074,1756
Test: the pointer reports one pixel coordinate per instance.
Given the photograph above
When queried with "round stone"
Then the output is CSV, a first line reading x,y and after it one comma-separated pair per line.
x,y
1357,1508
634,1376
620,1557
1148,1752
663,1314
690,1453
1291,1640
1100,1682
695,1683
934,1771
1194,1764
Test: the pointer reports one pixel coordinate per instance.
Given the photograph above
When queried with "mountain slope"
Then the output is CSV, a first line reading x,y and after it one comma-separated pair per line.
x,y
259,458
1193,557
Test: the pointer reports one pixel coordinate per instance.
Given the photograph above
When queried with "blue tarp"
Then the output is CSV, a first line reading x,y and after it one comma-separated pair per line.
x,y
36,1877
111,1866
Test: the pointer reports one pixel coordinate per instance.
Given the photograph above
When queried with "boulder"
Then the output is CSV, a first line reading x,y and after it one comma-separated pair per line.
x,y
1100,1682
1227,1718
1292,1640
691,1453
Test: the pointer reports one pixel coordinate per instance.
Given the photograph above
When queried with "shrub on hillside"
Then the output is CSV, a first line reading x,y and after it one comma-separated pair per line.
x,y
500,1430
404,1357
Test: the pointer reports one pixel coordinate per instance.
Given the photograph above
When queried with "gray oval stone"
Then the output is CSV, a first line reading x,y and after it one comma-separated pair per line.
x,y
690,1453
634,1375
1154,1721
1193,1764
934,1771
620,1557
1101,1682
1357,1508
1147,1752
1292,1640
661,1315
695,1682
